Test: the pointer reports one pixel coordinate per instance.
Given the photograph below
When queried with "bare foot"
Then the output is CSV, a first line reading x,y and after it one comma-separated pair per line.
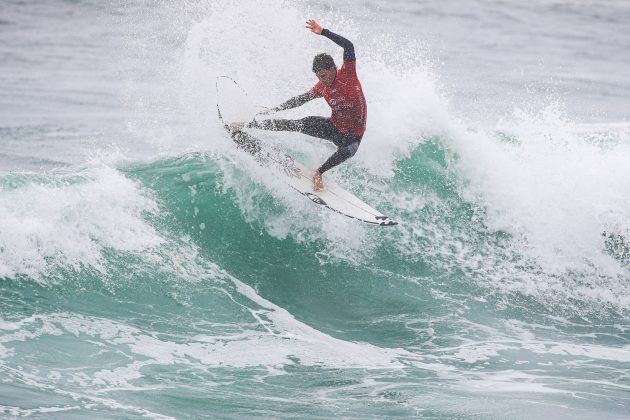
x,y
318,185
236,126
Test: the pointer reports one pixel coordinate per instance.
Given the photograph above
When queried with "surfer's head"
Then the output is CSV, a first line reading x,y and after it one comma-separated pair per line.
x,y
324,68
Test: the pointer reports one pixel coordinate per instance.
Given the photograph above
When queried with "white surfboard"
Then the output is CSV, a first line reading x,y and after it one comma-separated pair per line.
x,y
298,176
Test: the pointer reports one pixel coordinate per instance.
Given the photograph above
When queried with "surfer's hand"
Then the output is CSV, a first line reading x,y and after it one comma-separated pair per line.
x,y
236,126
314,27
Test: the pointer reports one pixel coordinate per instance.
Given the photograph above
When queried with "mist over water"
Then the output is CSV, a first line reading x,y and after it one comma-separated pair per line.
x,y
150,269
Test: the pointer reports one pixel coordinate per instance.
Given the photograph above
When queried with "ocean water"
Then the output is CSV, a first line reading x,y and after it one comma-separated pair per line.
x,y
150,270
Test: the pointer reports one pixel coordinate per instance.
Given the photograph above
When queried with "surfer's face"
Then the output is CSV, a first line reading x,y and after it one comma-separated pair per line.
x,y
327,76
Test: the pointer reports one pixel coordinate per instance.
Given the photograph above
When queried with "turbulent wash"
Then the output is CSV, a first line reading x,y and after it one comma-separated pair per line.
x,y
150,269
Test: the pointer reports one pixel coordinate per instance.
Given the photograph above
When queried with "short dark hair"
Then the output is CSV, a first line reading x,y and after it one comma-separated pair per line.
x,y
323,61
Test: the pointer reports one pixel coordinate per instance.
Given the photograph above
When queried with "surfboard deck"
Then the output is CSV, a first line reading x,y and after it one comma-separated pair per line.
x,y
299,177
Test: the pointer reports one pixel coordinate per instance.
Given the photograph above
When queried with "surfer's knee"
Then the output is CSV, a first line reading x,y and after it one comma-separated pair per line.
x,y
352,148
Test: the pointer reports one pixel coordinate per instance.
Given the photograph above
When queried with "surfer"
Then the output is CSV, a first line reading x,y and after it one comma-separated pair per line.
x,y
342,91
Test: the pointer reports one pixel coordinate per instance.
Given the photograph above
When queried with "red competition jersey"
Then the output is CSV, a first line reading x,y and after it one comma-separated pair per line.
x,y
345,97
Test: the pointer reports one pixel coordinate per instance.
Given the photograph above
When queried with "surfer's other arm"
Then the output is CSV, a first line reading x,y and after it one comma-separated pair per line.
x,y
348,47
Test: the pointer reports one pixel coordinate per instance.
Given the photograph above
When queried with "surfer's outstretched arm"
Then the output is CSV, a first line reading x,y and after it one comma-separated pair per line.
x,y
273,124
295,102
348,47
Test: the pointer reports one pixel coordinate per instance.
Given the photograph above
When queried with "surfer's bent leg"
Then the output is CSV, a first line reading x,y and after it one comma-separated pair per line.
x,y
319,127
342,154
276,125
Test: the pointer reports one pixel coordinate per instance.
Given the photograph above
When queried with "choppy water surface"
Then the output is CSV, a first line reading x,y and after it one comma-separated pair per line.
x,y
148,269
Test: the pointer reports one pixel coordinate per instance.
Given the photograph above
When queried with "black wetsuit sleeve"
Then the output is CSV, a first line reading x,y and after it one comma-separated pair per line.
x,y
291,103
348,47
295,101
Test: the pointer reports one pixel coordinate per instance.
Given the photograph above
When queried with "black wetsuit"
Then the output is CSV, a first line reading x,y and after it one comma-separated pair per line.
x,y
347,143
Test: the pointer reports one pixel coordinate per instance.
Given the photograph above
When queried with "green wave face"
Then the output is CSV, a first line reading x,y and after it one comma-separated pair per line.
x,y
149,269
201,274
